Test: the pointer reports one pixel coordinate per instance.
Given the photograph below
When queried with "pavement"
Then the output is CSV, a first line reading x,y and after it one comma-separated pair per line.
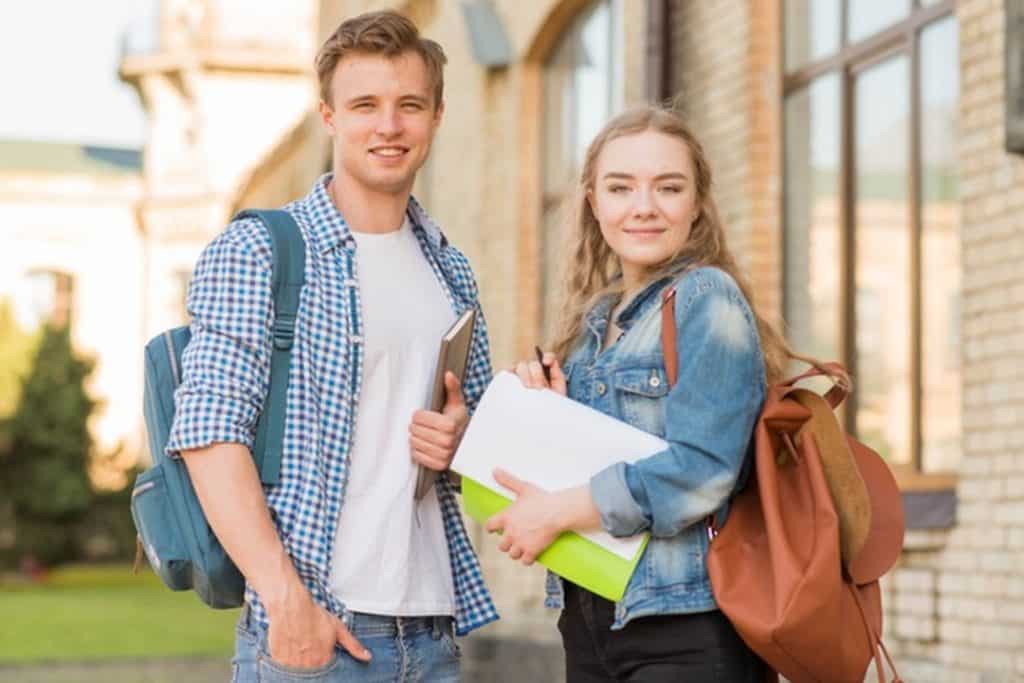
x,y
485,660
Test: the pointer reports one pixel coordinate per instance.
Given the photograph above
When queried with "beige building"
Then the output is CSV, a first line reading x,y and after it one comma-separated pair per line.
x,y
860,166
73,250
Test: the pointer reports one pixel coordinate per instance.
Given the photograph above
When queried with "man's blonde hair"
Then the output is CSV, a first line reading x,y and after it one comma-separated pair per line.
x,y
384,33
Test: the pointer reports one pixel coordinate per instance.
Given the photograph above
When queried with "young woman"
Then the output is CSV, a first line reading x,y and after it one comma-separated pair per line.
x,y
645,222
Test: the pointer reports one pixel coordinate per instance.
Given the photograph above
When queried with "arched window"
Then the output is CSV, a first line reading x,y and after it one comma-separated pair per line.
x,y
582,89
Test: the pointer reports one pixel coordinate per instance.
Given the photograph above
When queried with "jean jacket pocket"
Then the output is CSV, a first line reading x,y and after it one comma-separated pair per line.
x,y
640,393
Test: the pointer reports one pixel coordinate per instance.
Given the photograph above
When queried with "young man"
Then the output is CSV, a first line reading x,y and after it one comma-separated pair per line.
x,y
349,577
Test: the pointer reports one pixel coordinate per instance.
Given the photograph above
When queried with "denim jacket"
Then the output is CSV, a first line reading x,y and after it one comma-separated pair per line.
x,y
707,418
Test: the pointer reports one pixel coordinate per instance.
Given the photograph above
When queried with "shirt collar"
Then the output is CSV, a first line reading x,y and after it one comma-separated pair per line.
x,y
642,303
420,219
328,228
597,317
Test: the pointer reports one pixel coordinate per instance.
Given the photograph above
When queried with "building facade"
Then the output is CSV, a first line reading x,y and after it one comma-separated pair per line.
x,y
73,253
863,170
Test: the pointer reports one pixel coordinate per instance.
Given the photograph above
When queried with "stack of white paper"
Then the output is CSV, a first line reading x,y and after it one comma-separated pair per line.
x,y
554,442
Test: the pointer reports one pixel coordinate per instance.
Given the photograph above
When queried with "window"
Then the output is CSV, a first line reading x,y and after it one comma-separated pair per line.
x,y
871,240
582,89
44,297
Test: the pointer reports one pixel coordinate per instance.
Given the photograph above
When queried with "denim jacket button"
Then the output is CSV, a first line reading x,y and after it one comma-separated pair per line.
x,y
601,388
655,381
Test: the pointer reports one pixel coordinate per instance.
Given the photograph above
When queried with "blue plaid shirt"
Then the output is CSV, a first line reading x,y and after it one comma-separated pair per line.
x,y
227,370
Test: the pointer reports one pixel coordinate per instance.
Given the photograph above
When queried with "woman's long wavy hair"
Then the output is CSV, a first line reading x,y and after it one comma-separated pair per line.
x,y
594,270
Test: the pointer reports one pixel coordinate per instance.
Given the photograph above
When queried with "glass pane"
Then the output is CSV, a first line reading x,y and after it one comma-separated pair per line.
x,y
882,235
870,16
940,248
580,93
811,242
579,79
812,31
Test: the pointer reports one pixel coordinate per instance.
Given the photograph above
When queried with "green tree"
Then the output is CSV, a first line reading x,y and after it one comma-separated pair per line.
x,y
16,347
44,460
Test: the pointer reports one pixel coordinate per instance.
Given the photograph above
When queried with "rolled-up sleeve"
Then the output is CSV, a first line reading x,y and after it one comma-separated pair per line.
x,y
226,365
709,420
621,515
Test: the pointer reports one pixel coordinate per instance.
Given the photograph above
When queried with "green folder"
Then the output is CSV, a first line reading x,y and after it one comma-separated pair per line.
x,y
571,556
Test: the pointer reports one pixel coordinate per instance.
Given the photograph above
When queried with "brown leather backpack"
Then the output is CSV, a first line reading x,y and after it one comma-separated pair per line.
x,y
796,565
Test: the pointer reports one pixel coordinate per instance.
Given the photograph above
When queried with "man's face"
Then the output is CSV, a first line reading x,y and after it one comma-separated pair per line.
x,y
382,119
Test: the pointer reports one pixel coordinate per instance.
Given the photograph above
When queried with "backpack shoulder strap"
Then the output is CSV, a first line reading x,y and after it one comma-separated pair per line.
x,y
668,334
289,254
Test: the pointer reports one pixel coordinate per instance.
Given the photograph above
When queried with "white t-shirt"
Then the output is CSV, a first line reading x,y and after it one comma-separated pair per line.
x,y
391,552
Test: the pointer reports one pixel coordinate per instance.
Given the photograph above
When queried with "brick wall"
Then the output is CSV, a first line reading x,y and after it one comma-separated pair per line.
x,y
726,74
714,87
956,603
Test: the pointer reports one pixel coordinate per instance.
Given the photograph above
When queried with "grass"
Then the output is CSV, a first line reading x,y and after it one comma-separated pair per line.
x,y
105,613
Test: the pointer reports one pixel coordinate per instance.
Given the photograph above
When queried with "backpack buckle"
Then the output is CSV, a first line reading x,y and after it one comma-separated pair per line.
x,y
284,332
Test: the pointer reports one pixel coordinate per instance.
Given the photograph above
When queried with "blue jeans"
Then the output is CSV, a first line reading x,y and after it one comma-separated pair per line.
x,y
405,650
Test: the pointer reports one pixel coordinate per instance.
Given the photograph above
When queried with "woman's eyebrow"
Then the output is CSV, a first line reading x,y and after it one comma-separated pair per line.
x,y
616,175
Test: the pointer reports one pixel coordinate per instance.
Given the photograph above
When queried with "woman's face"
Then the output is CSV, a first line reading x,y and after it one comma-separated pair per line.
x,y
645,199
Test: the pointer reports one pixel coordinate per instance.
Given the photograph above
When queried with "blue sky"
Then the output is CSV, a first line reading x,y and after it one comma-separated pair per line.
x,y
58,74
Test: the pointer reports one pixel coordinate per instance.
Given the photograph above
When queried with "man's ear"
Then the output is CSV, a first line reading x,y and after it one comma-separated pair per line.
x,y
327,117
438,113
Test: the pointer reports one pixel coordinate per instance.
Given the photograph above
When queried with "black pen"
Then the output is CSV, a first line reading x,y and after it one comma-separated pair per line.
x,y
540,359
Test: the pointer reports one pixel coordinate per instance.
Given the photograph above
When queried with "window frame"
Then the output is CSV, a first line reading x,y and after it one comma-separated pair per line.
x,y
848,61
558,200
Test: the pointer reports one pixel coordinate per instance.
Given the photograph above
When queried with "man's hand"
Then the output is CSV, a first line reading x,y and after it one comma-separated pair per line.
x,y
434,437
302,635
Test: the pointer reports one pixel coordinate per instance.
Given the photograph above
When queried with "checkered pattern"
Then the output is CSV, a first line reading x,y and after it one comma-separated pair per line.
x,y
227,369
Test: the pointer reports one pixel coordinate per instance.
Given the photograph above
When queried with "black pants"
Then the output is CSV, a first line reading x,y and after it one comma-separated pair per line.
x,y
685,648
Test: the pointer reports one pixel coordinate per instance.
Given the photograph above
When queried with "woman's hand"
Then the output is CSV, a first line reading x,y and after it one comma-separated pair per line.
x,y
531,374
535,519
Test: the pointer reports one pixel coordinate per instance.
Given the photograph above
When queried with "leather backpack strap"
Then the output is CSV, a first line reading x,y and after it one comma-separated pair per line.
x,y
668,335
875,640
834,371
671,357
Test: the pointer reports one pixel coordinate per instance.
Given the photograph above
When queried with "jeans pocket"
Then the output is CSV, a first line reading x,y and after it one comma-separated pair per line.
x,y
450,644
244,663
273,672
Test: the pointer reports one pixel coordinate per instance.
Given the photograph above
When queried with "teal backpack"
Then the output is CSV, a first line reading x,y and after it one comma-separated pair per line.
x,y
173,532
